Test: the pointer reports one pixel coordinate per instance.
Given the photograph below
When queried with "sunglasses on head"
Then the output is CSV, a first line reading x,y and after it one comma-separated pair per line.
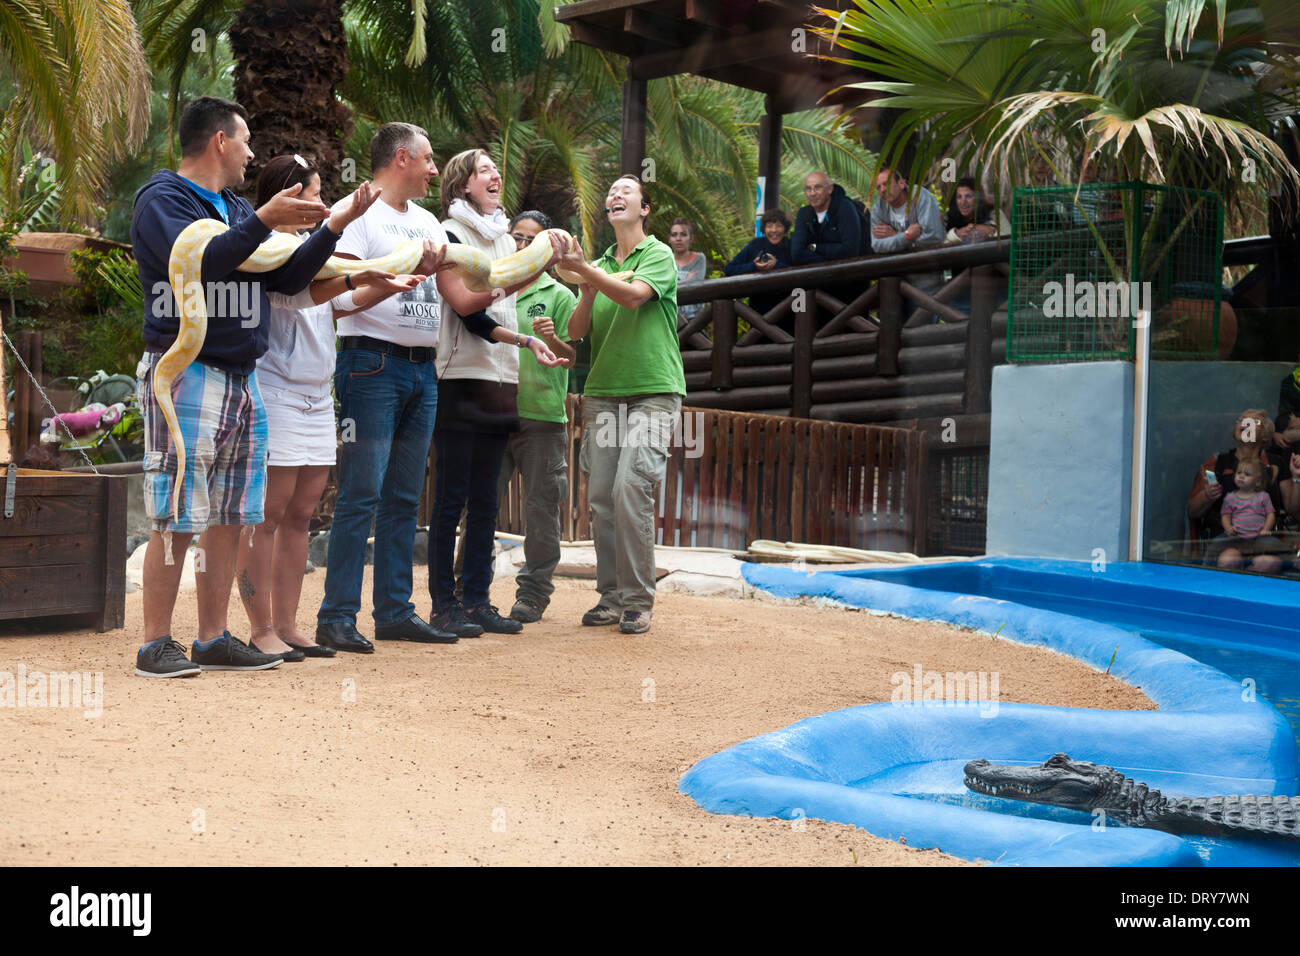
x,y
301,163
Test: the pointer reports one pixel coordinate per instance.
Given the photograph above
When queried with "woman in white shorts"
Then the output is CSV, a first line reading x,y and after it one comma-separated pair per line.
x,y
294,378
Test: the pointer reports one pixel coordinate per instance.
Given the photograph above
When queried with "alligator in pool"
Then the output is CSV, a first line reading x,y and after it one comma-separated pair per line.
x,y
1088,787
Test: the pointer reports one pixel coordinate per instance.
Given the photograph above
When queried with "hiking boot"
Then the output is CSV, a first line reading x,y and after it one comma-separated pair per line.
x,y
526,611
453,620
229,653
634,622
486,617
165,658
599,616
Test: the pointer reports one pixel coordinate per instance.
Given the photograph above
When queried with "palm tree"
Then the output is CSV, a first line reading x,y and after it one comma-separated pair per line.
x,y
290,58
80,94
504,75
1150,90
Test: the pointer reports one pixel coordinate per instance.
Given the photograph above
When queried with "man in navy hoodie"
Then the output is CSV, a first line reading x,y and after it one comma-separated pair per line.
x,y
216,399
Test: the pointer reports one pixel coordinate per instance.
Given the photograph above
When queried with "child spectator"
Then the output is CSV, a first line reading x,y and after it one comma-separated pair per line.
x,y
1248,512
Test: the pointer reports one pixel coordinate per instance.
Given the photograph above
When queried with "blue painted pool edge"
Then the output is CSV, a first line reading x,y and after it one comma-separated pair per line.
x,y
1203,726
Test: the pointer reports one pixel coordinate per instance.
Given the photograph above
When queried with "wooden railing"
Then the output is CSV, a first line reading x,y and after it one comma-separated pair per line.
x,y
856,360
738,477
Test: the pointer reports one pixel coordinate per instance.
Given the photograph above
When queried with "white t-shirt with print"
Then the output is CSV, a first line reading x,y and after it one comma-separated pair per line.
x,y
408,318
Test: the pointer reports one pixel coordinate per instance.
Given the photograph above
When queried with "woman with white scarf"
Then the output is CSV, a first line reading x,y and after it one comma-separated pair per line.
x,y
477,393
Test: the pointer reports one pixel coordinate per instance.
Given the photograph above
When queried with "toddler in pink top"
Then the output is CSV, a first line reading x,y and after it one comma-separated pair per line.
x,y
1248,512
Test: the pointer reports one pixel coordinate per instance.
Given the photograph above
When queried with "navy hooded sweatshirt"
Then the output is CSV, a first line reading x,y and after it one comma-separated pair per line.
x,y
238,308
839,237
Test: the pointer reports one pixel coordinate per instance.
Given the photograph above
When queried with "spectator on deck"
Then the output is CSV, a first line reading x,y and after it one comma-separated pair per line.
x,y
761,256
692,266
969,219
904,219
829,227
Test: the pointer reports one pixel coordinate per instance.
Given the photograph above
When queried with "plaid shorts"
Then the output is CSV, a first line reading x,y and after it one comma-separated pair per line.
x,y
224,426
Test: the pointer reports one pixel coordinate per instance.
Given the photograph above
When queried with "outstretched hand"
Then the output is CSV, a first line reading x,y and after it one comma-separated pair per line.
x,y
362,200
284,209
559,246
571,259
390,284
543,354
434,260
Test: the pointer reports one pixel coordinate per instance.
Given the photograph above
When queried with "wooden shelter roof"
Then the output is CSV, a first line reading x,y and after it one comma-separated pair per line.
x,y
746,43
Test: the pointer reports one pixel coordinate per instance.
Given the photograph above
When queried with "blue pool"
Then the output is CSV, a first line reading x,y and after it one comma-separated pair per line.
x,y
1244,625
1217,654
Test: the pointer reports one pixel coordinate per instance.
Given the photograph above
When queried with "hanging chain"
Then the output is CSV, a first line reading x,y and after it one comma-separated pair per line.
x,y
48,403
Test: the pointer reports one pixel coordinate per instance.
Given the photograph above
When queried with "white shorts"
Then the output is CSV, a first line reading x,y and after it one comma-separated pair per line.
x,y
300,428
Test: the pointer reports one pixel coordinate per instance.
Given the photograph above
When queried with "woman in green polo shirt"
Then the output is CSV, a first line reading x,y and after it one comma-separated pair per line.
x,y
633,401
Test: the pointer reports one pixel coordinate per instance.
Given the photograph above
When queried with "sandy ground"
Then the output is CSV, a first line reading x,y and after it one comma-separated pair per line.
x,y
562,745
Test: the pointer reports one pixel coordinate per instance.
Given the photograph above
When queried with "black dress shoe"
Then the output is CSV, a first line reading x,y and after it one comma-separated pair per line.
x,y
316,650
342,636
414,629
293,655
486,617
453,620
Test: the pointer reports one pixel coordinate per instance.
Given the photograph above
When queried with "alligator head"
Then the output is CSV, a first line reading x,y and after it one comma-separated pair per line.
x,y
1060,781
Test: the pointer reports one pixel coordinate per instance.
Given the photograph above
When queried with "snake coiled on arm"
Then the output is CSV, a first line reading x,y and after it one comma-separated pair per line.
x,y
184,271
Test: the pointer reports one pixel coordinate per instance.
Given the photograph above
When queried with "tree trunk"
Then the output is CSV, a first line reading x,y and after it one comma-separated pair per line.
x,y
290,55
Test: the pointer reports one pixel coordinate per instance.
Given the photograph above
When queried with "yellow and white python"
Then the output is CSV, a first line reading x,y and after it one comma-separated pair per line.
x,y
184,270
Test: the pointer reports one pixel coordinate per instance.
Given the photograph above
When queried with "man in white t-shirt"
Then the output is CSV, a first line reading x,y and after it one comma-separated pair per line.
x,y
388,396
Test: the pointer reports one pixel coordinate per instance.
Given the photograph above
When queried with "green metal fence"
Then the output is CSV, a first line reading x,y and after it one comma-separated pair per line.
x,y
1088,263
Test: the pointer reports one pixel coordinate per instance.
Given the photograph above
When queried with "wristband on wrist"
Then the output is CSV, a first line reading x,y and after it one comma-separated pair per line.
x,y
347,281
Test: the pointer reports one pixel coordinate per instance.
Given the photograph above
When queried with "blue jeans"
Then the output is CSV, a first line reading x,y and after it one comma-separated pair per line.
x,y
468,466
387,410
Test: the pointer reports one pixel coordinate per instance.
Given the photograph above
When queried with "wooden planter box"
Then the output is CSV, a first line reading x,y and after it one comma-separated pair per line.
x,y
62,550
44,257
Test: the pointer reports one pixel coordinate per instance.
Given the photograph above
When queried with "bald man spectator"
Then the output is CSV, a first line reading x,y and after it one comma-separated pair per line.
x,y
903,220
829,227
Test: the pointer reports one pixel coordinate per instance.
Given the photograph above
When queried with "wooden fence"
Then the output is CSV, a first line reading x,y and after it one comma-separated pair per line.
x,y
733,477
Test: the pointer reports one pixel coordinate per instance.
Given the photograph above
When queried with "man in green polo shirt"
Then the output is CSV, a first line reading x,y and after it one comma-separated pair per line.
x,y
538,448
633,401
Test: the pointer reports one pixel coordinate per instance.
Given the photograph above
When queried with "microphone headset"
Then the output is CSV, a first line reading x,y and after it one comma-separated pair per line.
x,y
645,204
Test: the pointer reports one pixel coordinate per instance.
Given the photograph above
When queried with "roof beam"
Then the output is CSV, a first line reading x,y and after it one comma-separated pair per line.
x,y
711,54
703,11
611,40
587,8
651,27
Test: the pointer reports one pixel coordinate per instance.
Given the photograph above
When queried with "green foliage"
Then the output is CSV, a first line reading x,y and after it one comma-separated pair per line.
x,y
505,76
79,92
108,279
1131,90
12,280
210,74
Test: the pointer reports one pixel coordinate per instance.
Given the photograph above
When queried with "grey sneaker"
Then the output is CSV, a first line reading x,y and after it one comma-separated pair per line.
x,y
165,658
634,622
228,653
526,611
599,616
